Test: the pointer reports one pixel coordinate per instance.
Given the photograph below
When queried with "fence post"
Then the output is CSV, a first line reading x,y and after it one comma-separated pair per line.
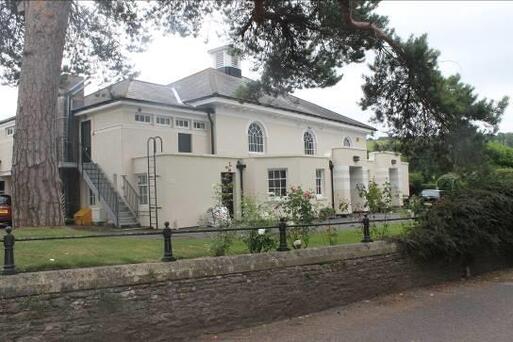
x,y
168,248
366,229
9,267
283,236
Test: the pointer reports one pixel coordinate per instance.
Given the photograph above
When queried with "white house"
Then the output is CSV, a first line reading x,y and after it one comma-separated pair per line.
x,y
204,135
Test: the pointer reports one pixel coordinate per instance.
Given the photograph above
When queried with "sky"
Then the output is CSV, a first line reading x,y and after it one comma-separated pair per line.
x,y
474,38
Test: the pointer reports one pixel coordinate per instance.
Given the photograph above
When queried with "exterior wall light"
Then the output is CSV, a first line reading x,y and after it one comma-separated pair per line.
x,y
394,161
356,159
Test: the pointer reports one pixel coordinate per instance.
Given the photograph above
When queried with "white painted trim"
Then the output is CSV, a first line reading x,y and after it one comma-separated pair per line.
x,y
142,106
277,111
314,135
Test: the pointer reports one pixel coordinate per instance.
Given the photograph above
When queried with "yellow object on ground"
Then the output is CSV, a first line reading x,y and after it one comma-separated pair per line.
x,y
83,217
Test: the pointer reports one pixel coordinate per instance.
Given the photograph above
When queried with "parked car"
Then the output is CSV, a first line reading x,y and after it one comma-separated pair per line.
x,y
429,196
5,210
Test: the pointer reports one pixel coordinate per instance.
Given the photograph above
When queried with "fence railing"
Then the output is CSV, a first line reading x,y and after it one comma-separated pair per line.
x,y
131,196
167,233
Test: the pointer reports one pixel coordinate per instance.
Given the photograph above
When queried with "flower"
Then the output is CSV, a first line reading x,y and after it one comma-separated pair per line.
x,y
261,231
52,260
297,244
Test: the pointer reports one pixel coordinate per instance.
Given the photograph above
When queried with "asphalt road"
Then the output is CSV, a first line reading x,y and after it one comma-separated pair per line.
x,y
480,309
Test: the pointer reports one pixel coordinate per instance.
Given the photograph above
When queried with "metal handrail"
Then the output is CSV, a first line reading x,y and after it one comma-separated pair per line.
x,y
105,189
131,195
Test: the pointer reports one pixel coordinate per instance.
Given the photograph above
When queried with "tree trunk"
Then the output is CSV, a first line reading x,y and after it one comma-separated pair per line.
x,y
37,187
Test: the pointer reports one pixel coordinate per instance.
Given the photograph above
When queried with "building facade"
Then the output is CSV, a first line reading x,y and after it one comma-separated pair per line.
x,y
140,151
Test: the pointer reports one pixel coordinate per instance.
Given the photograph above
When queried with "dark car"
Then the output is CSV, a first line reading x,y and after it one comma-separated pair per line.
x,y
5,210
429,196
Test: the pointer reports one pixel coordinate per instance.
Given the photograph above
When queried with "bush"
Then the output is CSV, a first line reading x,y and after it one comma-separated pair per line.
x,y
469,221
259,241
449,182
299,209
221,243
416,180
326,213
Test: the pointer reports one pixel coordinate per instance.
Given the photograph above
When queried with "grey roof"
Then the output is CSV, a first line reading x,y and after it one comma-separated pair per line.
x,y
211,82
208,83
135,90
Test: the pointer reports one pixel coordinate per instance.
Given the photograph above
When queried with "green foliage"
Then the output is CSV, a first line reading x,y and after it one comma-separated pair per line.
x,y
260,240
326,213
505,139
505,174
299,210
331,235
416,180
500,156
221,243
377,199
449,182
469,221
416,205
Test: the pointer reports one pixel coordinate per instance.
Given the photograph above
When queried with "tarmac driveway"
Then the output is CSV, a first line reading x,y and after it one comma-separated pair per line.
x,y
480,309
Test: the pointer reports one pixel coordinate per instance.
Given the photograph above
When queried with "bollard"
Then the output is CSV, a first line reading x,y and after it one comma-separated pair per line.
x,y
283,236
366,229
9,267
168,248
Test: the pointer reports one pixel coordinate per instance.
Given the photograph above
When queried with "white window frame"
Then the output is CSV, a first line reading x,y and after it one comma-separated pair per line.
x,y
256,144
203,123
320,181
163,117
179,121
348,139
278,188
145,116
312,149
142,187
10,130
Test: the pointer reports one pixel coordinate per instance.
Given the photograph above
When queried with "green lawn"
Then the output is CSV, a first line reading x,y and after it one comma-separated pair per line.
x,y
58,254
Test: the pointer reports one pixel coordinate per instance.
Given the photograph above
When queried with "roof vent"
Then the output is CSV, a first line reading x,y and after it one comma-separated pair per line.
x,y
224,60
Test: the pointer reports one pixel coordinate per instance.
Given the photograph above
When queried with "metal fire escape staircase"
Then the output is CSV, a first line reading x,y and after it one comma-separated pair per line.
x,y
122,211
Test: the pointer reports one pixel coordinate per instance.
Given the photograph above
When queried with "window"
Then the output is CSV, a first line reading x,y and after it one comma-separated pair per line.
x,y
277,179
200,125
163,120
2,187
319,182
255,138
184,142
9,130
142,183
92,198
347,142
143,118
182,123
309,142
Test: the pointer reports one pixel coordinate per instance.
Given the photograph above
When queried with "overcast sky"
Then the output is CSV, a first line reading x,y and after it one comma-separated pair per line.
x,y
474,37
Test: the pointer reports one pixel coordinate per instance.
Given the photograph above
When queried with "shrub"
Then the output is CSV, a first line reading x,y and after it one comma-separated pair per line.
x,y
469,221
299,209
259,241
326,213
449,182
221,243
416,180
378,200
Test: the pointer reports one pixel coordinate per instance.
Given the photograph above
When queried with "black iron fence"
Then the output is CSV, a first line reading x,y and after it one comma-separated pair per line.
x,y
167,233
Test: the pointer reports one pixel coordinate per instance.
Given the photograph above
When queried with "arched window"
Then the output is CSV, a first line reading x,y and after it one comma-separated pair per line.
x,y
347,142
309,140
255,138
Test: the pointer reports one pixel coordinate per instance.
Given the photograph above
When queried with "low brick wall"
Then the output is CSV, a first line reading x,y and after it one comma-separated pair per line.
x,y
172,301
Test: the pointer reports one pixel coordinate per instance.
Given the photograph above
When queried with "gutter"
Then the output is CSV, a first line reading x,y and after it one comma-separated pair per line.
x,y
332,186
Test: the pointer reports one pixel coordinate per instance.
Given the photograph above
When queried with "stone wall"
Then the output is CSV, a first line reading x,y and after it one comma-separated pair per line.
x,y
173,301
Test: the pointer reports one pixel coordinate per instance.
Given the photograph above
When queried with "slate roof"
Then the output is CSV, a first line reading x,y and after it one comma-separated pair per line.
x,y
211,82
204,84
135,90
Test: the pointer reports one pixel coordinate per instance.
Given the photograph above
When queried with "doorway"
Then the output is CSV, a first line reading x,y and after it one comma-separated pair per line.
x,y
85,141
227,190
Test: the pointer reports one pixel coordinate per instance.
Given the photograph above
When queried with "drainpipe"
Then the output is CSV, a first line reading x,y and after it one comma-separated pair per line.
x,y
241,166
212,132
332,186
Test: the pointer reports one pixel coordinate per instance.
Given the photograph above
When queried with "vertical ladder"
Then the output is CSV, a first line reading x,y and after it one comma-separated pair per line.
x,y
153,204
